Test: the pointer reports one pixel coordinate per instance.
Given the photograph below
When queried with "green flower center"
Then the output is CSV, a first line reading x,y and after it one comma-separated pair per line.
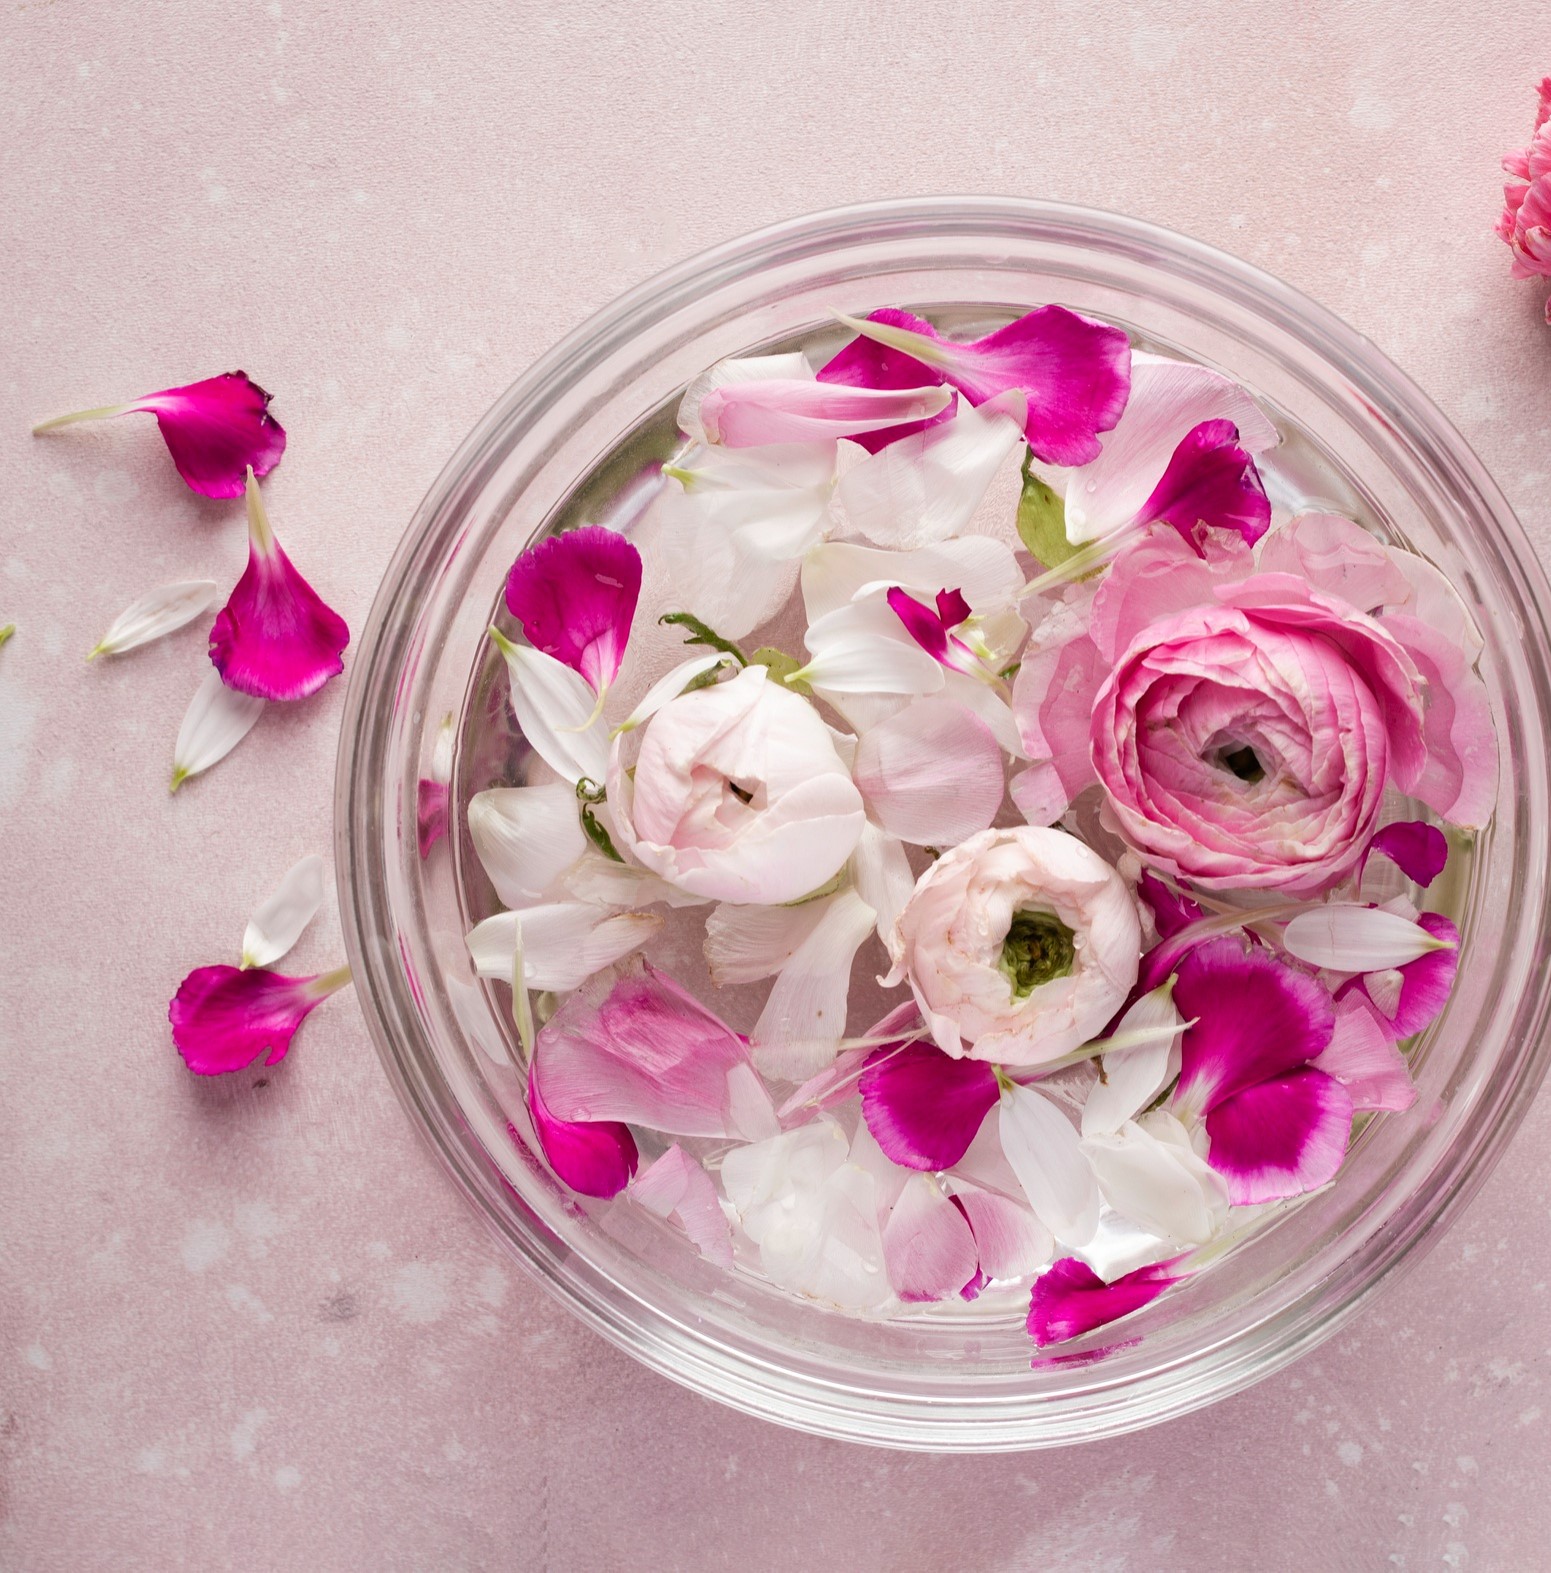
x,y
1039,948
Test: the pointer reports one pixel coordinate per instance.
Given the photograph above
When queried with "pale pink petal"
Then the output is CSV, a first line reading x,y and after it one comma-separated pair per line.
x,y
275,638
1362,1056
1052,701
926,488
881,872
1039,794
593,1157
932,774
1346,936
1010,1240
924,1107
223,1018
575,596
736,369
643,1051
804,1018
675,1186
1338,556
215,430
928,1247
1071,1299
1417,849
785,410
564,942
1045,1153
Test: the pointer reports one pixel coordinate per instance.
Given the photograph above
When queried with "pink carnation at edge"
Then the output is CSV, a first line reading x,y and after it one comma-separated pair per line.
x,y
1525,224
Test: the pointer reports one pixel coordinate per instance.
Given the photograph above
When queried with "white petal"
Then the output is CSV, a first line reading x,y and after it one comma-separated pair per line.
x,y
564,942
1134,1077
863,648
1043,1148
156,613
217,720
926,487
278,923
881,873
745,944
799,1030
526,837
988,705
743,368
932,774
984,569
704,568
1350,938
1150,1174
670,686
605,883
1169,398
442,750
551,702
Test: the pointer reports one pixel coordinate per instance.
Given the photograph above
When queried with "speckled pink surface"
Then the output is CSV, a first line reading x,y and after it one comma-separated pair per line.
x,y
247,1324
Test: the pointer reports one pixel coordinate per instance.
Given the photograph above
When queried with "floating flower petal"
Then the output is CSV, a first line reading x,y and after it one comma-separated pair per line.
x,y
217,720
1417,849
1212,481
675,1186
1075,373
564,942
593,1157
575,596
223,1018
1363,1057
750,414
1422,987
1349,937
864,363
556,711
278,923
1010,1241
1045,1153
215,430
526,838
641,1049
1071,1299
1150,1173
928,1245
275,638
932,774
923,1107
156,613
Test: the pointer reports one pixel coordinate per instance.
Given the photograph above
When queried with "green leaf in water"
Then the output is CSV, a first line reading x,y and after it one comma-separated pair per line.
x,y
781,667
1042,520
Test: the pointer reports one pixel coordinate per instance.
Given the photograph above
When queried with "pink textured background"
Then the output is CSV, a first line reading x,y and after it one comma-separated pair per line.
x,y
246,1324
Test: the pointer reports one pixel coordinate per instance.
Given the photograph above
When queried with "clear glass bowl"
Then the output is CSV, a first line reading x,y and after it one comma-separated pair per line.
x,y
929,1379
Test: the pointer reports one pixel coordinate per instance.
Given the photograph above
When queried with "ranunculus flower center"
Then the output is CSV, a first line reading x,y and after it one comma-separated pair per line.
x,y
1039,948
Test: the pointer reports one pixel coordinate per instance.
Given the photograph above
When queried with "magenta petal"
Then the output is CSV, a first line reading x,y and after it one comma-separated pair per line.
x,y
1255,1018
1210,480
923,625
952,608
594,1157
1170,910
215,430
1281,1137
275,638
924,1107
1417,849
430,814
1070,1299
225,1017
1424,983
575,595
1076,374
864,363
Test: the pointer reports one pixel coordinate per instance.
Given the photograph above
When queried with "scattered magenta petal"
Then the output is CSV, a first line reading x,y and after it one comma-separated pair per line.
x,y
215,430
1210,480
431,805
1070,1299
1417,849
1171,911
924,1107
275,638
1425,984
575,596
224,1018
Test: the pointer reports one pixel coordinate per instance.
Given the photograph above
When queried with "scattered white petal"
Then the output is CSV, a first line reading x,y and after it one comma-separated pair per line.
x,y
1347,937
564,942
1134,1077
744,944
278,923
984,569
158,612
1045,1153
1149,1172
553,705
217,720
880,870
526,838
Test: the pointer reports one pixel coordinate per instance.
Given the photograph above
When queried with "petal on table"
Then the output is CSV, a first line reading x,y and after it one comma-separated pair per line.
x,y
156,613
278,923
217,720
564,942
223,1018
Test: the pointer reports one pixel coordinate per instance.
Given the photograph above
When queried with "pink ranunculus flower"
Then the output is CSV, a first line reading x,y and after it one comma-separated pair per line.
x,y
1249,744
1019,945
737,794
1525,225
